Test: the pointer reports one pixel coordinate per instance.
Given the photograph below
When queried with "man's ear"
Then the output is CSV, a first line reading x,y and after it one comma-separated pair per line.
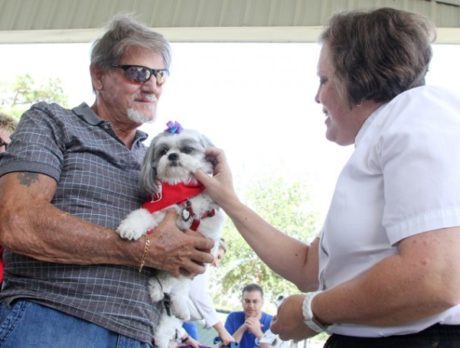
x,y
96,77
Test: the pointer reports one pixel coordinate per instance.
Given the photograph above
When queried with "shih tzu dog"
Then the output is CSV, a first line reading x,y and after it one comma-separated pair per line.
x,y
167,179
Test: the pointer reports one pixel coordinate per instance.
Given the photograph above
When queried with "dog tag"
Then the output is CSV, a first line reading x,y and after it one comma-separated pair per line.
x,y
185,214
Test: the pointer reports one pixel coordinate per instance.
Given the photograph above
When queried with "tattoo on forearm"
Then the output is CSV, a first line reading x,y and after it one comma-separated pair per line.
x,y
27,179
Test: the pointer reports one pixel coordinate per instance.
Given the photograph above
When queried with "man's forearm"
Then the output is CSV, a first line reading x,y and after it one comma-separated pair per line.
x,y
50,235
30,225
238,334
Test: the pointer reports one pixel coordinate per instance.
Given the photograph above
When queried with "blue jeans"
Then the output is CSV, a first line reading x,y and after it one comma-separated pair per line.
x,y
26,324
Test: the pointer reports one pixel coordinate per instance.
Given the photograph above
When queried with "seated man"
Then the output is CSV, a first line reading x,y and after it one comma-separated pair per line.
x,y
250,324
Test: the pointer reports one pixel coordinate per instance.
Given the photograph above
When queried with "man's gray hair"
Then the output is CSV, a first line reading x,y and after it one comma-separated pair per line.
x,y
124,32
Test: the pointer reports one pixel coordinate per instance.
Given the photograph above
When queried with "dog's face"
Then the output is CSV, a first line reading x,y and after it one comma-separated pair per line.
x,y
172,158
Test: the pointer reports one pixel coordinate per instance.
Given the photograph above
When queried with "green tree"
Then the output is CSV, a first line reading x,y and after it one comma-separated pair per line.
x,y
18,96
286,205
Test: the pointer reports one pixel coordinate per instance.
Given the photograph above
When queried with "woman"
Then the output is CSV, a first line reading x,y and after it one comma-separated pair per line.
x,y
385,269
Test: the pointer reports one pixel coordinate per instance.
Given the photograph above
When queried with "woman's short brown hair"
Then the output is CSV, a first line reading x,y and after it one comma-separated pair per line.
x,y
379,54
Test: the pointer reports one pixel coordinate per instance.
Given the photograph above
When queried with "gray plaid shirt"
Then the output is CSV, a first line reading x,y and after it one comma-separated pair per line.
x,y
97,180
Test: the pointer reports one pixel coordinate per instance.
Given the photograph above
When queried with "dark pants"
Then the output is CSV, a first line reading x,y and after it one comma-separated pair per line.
x,y
436,336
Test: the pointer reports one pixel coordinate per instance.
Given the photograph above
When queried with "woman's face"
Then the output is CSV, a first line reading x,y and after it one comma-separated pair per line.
x,y
342,121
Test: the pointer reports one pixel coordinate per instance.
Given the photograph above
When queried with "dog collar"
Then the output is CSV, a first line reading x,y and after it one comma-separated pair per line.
x,y
206,214
172,194
188,213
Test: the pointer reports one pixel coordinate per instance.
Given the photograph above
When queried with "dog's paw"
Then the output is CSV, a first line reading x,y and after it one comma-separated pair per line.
x,y
163,340
165,331
155,290
135,225
128,231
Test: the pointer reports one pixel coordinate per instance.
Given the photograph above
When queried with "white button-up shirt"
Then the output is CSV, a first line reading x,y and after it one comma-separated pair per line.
x,y
402,179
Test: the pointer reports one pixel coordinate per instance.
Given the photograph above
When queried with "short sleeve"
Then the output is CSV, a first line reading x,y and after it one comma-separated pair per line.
x,y
37,144
420,157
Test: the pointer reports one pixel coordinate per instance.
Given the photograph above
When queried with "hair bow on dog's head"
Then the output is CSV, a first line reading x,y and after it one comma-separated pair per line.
x,y
174,127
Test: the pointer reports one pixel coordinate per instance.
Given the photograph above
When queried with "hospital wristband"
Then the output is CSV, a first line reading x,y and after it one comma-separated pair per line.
x,y
308,316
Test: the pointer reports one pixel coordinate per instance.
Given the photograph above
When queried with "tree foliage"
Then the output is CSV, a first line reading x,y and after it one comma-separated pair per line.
x,y
287,206
18,96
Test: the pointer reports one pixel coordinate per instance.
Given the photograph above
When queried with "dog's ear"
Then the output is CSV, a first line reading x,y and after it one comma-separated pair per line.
x,y
205,142
148,177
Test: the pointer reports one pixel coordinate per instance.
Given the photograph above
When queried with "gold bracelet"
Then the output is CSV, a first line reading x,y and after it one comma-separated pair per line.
x,y
146,249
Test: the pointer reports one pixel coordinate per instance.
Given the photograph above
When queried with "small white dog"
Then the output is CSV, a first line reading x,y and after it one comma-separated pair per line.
x,y
166,174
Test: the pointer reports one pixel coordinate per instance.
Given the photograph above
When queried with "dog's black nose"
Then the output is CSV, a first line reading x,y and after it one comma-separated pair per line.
x,y
173,156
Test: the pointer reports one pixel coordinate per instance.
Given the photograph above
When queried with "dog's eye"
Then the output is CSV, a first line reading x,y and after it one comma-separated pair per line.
x,y
163,151
187,149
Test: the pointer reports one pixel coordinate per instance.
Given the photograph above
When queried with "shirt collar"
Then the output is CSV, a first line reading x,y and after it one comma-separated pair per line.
x,y
366,124
89,116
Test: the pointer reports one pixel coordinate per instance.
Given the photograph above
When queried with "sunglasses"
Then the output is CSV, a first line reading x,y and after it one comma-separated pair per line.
x,y
3,143
141,74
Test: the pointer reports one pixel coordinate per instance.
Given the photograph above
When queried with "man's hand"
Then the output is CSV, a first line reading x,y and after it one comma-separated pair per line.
x,y
253,325
177,252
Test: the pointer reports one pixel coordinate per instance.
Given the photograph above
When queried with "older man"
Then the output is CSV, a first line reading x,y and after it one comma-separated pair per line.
x,y
70,178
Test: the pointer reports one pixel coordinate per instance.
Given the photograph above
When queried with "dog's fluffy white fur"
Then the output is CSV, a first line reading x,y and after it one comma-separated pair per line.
x,y
171,158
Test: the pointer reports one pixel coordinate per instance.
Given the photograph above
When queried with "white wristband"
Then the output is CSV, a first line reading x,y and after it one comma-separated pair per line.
x,y
308,317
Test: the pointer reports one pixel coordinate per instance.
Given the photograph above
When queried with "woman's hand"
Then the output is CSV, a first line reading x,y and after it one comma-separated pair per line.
x,y
224,335
226,339
288,324
190,341
220,185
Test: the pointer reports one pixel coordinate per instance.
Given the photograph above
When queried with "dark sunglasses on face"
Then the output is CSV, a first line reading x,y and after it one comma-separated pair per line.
x,y
141,74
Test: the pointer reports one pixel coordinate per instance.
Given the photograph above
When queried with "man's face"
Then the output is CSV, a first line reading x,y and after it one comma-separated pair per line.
x,y
125,100
252,303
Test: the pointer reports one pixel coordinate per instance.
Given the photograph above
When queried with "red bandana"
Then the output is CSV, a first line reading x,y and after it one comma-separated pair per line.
x,y
172,194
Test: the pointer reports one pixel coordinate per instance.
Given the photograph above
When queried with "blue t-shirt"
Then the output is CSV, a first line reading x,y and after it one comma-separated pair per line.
x,y
236,319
